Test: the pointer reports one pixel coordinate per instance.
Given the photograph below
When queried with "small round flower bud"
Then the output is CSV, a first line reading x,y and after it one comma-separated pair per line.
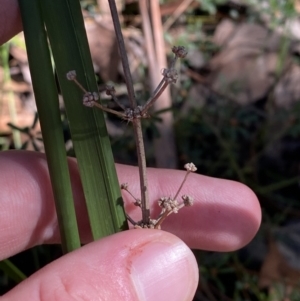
x,y
190,167
71,75
187,200
110,90
124,186
175,210
179,51
170,75
162,201
95,96
138,203
89,99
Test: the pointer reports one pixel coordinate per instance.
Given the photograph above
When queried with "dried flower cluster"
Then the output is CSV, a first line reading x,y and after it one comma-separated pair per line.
x,y
169,204
134,114
170,75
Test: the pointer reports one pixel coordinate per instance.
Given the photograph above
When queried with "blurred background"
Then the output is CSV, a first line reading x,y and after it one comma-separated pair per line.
x,y
234,112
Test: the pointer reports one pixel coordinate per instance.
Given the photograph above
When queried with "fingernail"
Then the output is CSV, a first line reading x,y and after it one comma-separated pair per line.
x,y
163,271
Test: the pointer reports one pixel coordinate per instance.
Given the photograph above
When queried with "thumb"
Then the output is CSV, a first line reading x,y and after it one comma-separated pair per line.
x,y
134,265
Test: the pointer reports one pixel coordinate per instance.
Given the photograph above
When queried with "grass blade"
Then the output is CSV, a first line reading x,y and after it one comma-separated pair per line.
x,y
65,27
46,96
10,270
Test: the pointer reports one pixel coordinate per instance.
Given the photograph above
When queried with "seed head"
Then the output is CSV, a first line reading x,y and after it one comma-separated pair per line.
x,y
170,75
89,98
71,75
138,203
179,51
168,204
187,200
190,167
110,90
124,186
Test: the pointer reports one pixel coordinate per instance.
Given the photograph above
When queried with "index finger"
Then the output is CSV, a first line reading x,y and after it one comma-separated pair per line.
x,y
225,215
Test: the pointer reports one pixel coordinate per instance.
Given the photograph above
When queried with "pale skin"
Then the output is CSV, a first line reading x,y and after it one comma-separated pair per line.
x,y
134,265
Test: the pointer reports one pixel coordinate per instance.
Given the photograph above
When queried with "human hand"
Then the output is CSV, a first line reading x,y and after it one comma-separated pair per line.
x,y
141,264
10,20
132,265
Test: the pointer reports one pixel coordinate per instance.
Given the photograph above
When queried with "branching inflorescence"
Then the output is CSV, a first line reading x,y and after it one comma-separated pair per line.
x,y
134,114
169,204
170,75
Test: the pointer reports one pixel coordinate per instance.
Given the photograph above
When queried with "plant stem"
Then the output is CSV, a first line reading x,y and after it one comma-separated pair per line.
x,y
180,187
138,133
124,59
157,93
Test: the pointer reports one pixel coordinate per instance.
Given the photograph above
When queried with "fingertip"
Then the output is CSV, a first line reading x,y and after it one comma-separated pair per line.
x,y
246,216
225,216
254,208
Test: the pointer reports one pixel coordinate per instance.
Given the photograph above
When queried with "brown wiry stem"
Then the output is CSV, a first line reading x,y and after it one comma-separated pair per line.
x,y
130,219
136,123
138,134
161,83
115,99
79,85
137,201
108,110
162,218
159,89
110,90
123,54
155,96
186,175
